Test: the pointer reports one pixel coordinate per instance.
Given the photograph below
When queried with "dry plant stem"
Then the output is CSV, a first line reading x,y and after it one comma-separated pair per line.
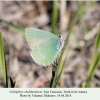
x,y
92,33
63,10
60,65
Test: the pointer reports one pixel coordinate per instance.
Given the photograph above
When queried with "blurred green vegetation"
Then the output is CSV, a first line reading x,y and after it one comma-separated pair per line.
x,y
95,61
3,62
60,65
14,27
54,17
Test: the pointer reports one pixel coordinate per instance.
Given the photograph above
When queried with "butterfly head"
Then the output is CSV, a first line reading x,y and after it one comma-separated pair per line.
x,y
61,42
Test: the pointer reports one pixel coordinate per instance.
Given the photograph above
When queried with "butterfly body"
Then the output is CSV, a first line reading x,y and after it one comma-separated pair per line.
x,y
45,46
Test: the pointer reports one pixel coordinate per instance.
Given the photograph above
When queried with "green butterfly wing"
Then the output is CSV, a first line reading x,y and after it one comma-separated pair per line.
x,y
44,45
36,36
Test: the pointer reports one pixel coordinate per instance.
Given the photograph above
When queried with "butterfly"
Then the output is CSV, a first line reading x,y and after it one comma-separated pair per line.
x,y
44,45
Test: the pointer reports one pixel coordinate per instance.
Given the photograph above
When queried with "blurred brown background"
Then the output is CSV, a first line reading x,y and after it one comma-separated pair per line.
x,y
38,14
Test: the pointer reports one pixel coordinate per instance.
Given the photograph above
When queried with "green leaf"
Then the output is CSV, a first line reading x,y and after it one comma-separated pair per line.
x,y
54,17
60,64
2,62
14,27
95,61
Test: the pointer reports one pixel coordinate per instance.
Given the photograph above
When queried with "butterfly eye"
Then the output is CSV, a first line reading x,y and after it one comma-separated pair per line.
x,y
59,36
